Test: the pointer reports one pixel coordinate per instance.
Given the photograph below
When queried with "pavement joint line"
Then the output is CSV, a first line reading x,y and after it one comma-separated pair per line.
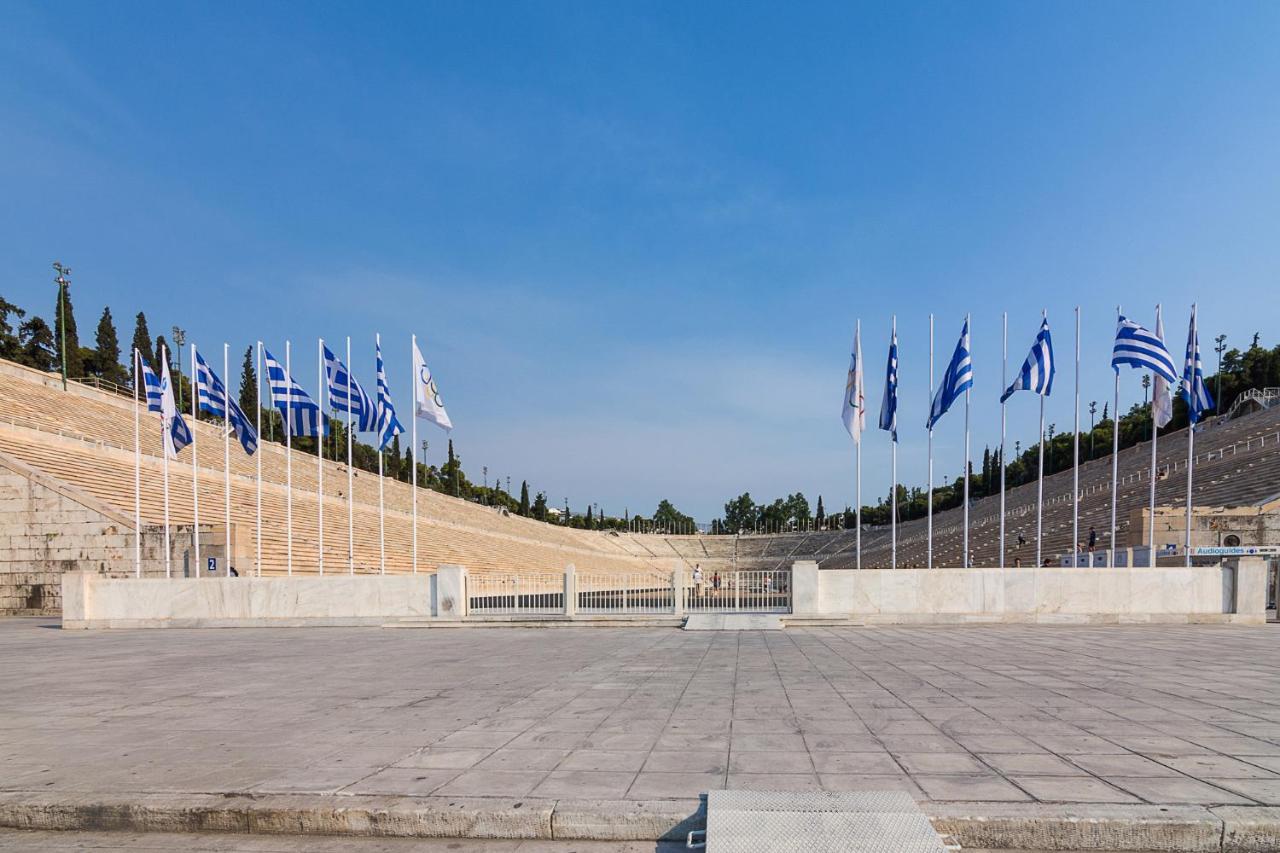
x,y
1023,826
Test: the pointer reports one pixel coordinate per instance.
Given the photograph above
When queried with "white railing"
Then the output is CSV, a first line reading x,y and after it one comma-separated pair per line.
x,y
625,593
755,591
531,593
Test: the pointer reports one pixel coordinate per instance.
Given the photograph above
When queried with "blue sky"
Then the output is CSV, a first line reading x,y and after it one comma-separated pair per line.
x,y
634,238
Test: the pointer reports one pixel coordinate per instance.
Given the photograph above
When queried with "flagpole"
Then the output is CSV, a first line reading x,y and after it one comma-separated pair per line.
x,y
137,466
1075,459
351,505
164,453
857,348
288,457
966,464
226,449
1193,415
929,550
1040,490
322,391
262,448
1004,383
1115,456
893,456
1155,430
413,444
382,530
195,485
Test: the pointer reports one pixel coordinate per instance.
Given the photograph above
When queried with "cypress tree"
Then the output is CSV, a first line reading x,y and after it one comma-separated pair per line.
x,y
588,524
162,351
108,354
75,364
524,496
142,342
248,383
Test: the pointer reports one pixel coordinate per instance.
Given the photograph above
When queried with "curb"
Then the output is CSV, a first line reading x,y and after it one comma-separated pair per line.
x,y
1188,829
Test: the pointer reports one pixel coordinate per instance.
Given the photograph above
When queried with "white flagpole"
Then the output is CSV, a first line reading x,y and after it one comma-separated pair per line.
x,y
137,464
164,454
929,550
966,460
1004,383
351,505
857,348
1040,481
1191,426
382,529
226,451
893,467
323,394
1075,458
262,448
195,483
1115,458
413,445
1155,430
288,459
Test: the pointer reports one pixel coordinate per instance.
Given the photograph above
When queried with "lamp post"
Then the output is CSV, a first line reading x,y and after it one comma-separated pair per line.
x,y
1093,409
1146,386
485,468
1221,341
179,340
62,279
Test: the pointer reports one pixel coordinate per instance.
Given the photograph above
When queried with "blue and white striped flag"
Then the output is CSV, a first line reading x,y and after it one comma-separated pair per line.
x,y
213,398
150,383
1143,349
388,425
1038,370
957,379
302,415
1194,390
889,403
346,395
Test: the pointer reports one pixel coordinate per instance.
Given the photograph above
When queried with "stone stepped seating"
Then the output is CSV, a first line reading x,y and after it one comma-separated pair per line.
x,y
85,437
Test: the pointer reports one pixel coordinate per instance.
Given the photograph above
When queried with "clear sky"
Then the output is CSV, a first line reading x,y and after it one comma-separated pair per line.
x,y
634,239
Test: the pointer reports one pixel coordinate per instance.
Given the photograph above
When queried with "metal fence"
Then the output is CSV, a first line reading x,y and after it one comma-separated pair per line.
x,y
762,591
533,593
633,592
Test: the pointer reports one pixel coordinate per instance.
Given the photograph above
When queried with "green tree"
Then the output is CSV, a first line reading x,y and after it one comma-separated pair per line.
x,y
67,315
819,515
740,513
588,524
540,506
524,497
38,349
797,510
668,518
10,343
163,353
107,356
142,343
248,383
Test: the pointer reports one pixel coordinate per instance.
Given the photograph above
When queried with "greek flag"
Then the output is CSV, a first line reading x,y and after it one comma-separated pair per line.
x,y
1038,369
150,383
176,433
346,395
854,413
1142,349
301,414
889,404
957,379
388,426
1194,390
213,398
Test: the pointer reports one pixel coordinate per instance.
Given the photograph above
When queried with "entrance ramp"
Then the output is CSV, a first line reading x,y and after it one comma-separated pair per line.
x,y
816,822
733,622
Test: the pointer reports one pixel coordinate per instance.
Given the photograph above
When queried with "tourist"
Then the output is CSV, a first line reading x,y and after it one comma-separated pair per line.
x,y
1017,562
1093,539
697,580
715,582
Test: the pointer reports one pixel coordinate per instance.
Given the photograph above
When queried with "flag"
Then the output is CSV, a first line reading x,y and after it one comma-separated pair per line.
x,y
1038,370
889,404
1161,399
388,425
213,398
854,412
957,379
176,433
301,414
426,396
150,383
1194,390
346,395
1142,349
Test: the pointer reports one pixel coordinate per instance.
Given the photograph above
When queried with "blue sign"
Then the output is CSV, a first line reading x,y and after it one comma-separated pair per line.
x,y
213,564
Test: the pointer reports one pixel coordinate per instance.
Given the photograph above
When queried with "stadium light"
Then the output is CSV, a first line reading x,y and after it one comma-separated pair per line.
x,y
62,279
1221,341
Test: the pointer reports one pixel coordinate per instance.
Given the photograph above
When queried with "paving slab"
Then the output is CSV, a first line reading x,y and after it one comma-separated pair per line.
x,y
1065,717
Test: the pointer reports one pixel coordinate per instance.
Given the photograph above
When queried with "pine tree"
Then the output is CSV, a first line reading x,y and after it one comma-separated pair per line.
x,y
248,383
406,470
38,349
142,342
108,352
67,315
820,514
524,496
10,342
589,524
163,353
